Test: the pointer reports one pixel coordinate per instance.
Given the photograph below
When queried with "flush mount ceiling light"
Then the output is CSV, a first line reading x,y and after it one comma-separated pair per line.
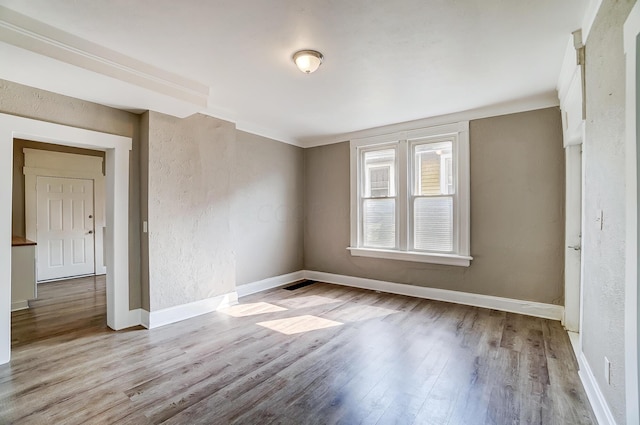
x,y
307,60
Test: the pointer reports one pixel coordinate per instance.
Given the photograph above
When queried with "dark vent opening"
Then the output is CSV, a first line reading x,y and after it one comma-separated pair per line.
x,y
299,285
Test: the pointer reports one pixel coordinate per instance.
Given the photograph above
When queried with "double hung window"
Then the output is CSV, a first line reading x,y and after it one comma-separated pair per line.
x,y
410,195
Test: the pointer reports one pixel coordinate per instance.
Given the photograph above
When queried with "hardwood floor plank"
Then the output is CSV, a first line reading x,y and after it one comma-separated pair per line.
x,y
390,360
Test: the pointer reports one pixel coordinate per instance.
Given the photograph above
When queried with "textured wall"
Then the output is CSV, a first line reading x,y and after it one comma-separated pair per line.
x,y
268,193
191,254
604,150
16,99
517,197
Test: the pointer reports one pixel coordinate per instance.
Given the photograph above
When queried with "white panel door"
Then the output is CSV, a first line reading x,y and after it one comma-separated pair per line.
x,y
64,228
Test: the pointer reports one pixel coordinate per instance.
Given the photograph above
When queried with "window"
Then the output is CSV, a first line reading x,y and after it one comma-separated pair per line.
x,y
410,195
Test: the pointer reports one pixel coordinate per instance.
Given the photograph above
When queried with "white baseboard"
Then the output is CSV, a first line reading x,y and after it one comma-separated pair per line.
x,y
19,305
529,308
144,318
574,338
596,398
158,318
154,319
269,283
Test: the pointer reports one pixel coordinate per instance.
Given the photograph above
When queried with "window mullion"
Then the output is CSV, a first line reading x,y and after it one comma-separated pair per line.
x,y
402,221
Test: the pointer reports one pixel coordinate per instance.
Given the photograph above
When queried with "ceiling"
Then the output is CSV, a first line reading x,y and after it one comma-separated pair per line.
x,y
385,62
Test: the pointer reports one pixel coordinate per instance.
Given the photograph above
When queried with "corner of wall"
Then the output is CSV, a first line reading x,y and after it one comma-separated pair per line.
x,y
144,211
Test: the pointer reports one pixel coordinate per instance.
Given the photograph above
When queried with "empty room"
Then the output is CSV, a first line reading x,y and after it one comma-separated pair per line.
x,y
319,212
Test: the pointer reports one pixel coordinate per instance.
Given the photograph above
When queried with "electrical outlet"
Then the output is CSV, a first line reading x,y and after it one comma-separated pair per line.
x,y
607,370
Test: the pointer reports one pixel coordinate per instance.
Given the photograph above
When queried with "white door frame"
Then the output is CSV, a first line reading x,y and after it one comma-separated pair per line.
x,y
631,31
570,94
117,213
38,162
572,319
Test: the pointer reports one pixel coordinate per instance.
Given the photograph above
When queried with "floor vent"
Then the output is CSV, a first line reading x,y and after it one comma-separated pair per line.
x,y
299,285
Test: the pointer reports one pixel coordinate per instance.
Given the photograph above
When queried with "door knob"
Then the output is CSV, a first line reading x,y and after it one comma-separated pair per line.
x,y
90,232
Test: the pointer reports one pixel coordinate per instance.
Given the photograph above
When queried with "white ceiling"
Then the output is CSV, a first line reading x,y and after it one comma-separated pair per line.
x,y
385,61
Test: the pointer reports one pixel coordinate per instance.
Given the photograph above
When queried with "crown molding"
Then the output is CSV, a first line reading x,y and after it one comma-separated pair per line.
x,y
144,86
544,100
29,34
568,69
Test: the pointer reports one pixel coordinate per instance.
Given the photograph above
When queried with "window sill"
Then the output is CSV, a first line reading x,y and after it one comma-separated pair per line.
x,y
420,257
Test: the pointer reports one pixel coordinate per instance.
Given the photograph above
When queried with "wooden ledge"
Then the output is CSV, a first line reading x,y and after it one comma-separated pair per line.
x,y
20,241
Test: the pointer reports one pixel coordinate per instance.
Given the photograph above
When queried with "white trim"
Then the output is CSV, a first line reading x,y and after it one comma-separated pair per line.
x,y
117,213
419,257
544,100
258,130
268,283
569,64
134,318
632,368
529,308
574,338
19,305
595,396
384,137
570,94
589,18
36,36
144,318
572,238
154,319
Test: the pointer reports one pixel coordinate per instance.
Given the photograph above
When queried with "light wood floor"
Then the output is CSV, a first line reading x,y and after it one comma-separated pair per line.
x,y
372,358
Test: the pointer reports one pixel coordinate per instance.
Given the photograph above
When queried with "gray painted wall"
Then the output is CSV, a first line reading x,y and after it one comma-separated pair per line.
x,y
224,208
190,247
29,102
268,193
604,155
517,222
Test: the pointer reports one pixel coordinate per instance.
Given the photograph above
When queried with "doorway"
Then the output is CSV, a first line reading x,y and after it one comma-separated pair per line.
x,y
64,208
116,150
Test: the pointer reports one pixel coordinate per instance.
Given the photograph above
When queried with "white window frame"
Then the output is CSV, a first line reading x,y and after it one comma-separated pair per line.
x,y
443,172
403,140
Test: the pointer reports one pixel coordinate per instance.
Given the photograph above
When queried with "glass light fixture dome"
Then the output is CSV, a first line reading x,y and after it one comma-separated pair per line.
x,y
308,60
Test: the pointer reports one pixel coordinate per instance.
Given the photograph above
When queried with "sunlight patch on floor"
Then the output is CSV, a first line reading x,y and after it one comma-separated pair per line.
x,y
299,324
242,310
308,301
